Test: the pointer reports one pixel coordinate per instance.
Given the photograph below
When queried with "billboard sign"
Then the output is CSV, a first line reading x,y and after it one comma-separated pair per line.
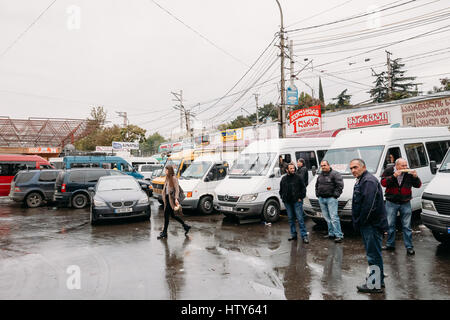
x,y
305,120
120,146
368,120
232,134
292,95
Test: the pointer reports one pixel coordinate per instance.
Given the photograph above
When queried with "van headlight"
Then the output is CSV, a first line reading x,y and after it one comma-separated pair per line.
x,y
248,197
428,205
348,205
99,203
306,202
143,201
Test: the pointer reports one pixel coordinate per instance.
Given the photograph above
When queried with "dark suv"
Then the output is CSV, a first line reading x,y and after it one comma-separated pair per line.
x,y
33,187
71,187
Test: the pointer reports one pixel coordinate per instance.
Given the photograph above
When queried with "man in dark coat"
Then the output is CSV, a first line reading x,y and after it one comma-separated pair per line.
x,y
369,216
398,181
302,171
292,192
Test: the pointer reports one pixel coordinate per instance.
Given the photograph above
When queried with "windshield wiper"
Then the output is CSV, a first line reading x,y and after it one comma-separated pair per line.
x,y
251,167
444,170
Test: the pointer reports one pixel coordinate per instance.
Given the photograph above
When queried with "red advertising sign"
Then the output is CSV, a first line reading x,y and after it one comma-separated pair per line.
x,y
368,120
305,120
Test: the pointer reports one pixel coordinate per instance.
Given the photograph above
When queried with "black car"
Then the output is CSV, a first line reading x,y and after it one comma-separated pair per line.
x,y
33,187
71,187
118,197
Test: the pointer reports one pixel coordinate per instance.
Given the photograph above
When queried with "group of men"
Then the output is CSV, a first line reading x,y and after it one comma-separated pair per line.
x,y
371,214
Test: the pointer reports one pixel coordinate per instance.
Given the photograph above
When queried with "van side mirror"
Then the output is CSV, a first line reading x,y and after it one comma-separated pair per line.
x,y
433,167
276,173
313,170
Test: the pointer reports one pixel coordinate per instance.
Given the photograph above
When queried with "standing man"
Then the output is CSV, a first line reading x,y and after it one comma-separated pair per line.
x,y
398,181
292,192
302,171
369,216
283,165
329,185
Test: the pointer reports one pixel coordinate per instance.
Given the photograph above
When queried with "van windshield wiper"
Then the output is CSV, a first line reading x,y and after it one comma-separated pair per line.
x,y
251,166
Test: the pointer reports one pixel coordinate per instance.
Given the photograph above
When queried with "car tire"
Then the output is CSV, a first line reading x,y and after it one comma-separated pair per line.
x,y
441,237
34,200
271,211
79,201
94,219
148,215
205,205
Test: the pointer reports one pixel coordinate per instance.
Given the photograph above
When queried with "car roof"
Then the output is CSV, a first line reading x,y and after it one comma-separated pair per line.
x,y
117,177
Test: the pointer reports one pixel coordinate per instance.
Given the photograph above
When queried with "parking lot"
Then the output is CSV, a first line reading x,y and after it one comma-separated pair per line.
x,y
55,253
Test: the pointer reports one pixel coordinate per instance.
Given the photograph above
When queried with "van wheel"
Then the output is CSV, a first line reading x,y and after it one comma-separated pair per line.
x,y
206,205
441,237
34,200
271,211
80,201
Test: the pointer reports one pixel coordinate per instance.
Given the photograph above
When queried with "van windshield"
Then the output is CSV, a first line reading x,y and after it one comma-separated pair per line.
x,y
253,164
445,166
339,159
196,170
174,163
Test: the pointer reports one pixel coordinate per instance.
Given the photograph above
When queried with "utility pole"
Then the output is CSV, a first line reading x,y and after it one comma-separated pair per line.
x,y
389,74
186,114
179,98
257,116
282,112
124,116
291,56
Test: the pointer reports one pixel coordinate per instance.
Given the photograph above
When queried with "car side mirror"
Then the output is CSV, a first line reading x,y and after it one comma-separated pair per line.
x,y
91,189
313,170
433,167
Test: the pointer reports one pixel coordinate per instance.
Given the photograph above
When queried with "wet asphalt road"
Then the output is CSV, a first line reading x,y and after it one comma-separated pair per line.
x,y
218,260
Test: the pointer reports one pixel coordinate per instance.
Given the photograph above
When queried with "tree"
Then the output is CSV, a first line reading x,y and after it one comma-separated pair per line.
x,y
152,143
402,87
321,98
268,111
306,101
343,100
445,83
132,133
380,91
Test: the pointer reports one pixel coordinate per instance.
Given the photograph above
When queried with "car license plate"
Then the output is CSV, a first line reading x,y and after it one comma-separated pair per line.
x,y
226,208
123,210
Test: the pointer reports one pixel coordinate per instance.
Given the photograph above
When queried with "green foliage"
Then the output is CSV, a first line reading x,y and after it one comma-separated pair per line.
x,y
343,100
445,86
152,143
267,111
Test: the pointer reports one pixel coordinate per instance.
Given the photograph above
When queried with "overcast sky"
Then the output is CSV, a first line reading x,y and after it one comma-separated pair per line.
x,y
60,58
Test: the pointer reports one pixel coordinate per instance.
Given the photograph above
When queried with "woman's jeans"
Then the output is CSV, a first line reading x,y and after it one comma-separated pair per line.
x,y
169,212
295,210
329,207
405,216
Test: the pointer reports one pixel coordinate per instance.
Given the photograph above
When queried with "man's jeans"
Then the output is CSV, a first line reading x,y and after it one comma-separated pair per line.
x,y
329,207
405,215
295,210
373,239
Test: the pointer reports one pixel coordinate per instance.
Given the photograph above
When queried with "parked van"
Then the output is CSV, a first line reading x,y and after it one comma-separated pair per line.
x,y
252,185
147,169
10,164
422,148
202,177
436,203
105,162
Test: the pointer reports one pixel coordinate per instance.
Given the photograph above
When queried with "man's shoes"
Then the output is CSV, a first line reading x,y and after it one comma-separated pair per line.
x,y
329,237
162,235
292,238
364,289
305,240
388,248
338,240
410,252
186,228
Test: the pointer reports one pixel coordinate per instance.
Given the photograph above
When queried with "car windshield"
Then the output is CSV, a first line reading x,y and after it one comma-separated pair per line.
x,y
252,164
118,184
445,166
147,168
196,170
339,159
174,163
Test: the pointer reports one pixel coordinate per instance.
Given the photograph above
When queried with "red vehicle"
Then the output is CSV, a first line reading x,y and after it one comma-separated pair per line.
x,y
10,164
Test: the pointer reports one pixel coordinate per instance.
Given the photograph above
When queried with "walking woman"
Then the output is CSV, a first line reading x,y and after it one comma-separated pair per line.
x,y
171,192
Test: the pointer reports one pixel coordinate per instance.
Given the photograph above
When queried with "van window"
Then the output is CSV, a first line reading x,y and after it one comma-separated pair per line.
x,y
309,157
45,166
48,176
219,172
186,164
77,176
416,155
94,175
437,150
321,155
11,168
395,153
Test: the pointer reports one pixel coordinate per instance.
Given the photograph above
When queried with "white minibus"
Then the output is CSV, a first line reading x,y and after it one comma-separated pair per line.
x,y
423,148
252,186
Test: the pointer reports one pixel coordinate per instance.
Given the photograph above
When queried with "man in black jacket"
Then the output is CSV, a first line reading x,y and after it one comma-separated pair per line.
x,y
329,186
369,217
292,192
302,171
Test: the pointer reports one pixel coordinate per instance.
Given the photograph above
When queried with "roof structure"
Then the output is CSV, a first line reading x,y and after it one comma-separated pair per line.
x,y
37,132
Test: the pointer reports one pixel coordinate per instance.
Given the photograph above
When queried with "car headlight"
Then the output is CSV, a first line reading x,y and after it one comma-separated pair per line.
x,y
348,205
428,205
143,201
99,203
306,202
249,197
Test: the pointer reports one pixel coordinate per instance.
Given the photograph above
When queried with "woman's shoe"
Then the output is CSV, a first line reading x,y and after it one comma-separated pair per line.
x,y
186,228
162,235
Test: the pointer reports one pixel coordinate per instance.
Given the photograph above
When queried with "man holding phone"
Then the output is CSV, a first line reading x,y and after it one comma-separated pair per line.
x,y
399,180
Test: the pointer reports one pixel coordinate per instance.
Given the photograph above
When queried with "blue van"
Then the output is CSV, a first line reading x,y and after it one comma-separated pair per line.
x,y
105,162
